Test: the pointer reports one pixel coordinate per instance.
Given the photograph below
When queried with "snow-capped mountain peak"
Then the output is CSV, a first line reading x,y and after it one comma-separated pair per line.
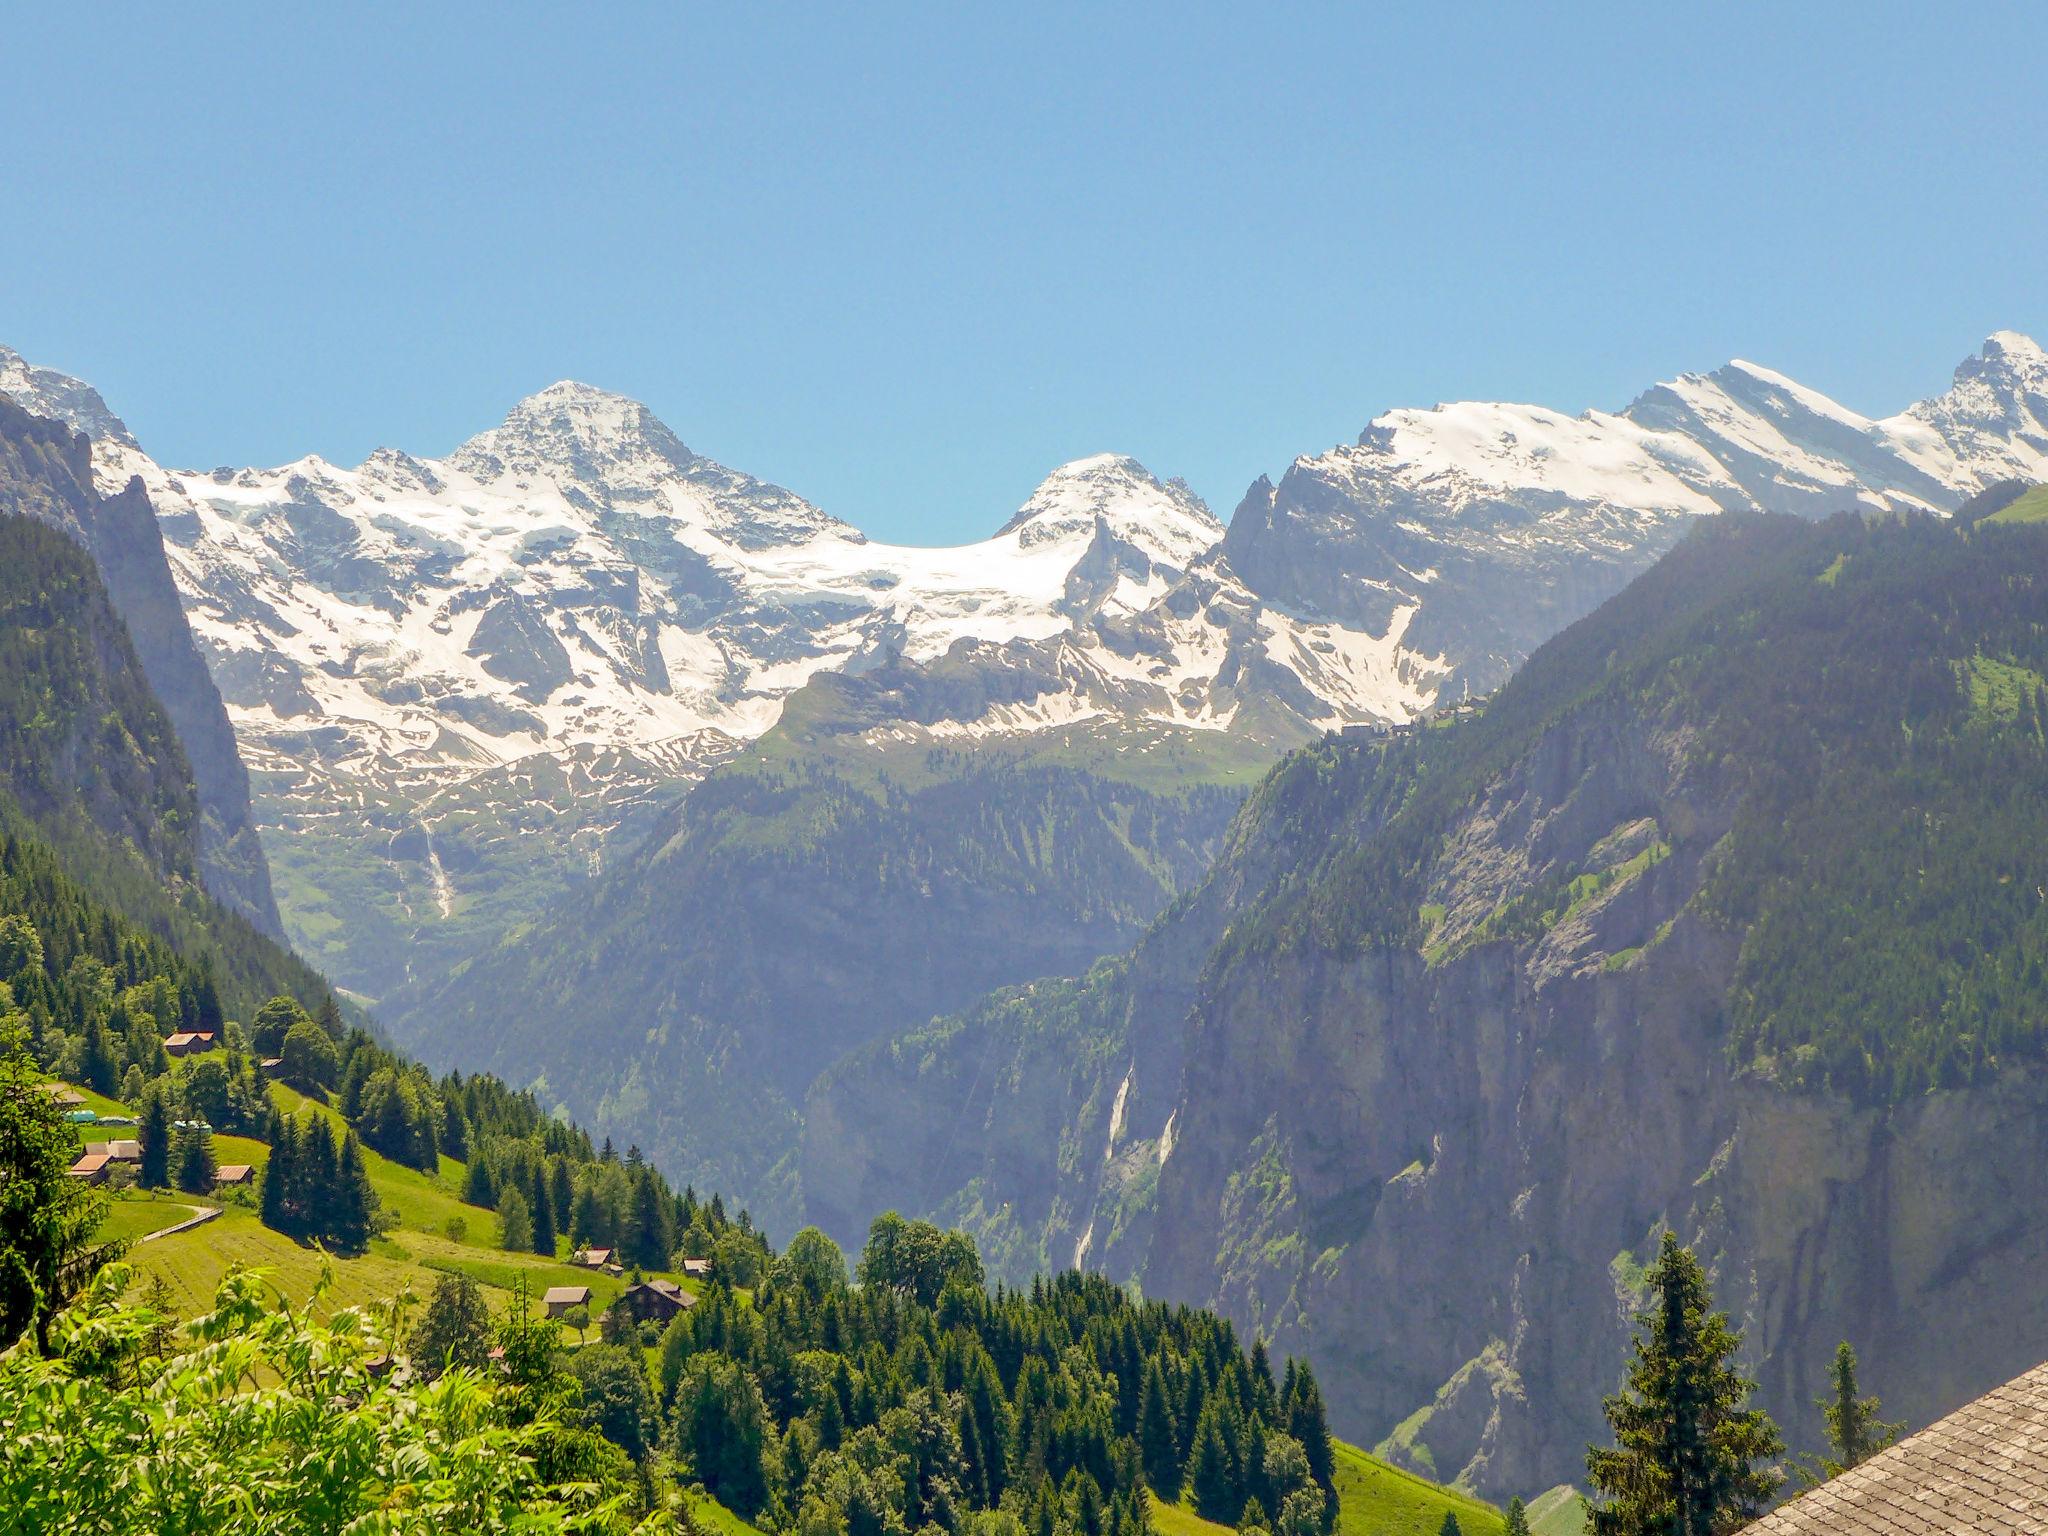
x,y
573,427
1992,423
75,403
1165,519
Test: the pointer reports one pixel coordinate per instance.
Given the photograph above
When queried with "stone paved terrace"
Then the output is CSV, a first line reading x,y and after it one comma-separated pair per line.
x,y
1982,1470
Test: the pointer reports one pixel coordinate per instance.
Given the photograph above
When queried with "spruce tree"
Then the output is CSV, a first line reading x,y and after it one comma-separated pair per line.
x,y
97,1065
314,1176
1450,1526
279,1176
1855,1432
1687,1444
1309,1423
354,1206
1263,1397
646,1237
1159,1435
478,1187
1215,1473
1193,1398
561,1191
153,1131
515,1222
1518,1519
194,1156
541,1206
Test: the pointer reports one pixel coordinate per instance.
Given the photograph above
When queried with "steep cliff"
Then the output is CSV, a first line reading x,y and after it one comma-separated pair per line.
x,y
1724,914
46,472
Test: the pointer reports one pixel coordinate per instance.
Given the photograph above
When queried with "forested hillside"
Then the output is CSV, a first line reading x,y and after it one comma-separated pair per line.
x,y
99,817
1723,915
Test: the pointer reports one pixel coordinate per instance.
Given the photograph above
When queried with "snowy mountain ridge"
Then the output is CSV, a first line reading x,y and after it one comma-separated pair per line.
x,y
576,603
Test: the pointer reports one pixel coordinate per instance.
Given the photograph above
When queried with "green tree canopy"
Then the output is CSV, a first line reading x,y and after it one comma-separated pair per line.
x,y
1691,1457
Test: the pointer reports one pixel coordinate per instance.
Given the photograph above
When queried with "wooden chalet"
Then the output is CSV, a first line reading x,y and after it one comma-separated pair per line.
x,y
654,1300
561,1298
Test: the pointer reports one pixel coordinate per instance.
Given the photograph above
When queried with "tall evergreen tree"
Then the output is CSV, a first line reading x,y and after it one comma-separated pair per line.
x,y
97,1065
1688,1447
1450,1527
515,1222
1518,1519
195,1161
354,1206
280,1177
153,1131
1194,1398
478,1186
541,1205
646,1238
1309,1422
1159,1435
1855,1432
315,1172
561,1191
1215,1474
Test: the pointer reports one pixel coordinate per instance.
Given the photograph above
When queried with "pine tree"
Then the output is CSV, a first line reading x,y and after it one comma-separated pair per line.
x,y
279,1176
354,1206
96,1065
1215,1472
1450,1526
314,1176
1518,1519
195,1161
153,1131
646,1238
1687,1444
515,1222
1263,1400
478,1187
1309,1423
561,1191
1855,1432
1159,1436
1193,1398
541,1204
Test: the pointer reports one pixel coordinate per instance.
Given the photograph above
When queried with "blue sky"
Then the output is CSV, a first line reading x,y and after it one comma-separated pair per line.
x,y
904,260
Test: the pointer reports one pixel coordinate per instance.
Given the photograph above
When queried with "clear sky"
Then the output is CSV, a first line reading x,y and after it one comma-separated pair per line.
x,y
905,260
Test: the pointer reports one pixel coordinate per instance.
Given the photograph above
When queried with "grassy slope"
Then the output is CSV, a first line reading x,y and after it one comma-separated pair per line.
x,y
137,1213
715,1519
412,1255
2030,508
1373,1499
1560,1512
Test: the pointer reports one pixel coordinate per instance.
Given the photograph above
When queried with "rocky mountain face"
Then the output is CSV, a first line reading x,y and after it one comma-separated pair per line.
x,y
850,875
47,471
465,684
1719,917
